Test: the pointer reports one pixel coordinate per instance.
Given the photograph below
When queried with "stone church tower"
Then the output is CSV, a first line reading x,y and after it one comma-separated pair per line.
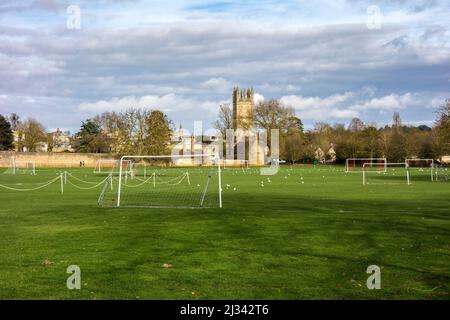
x,y
243,111
243,106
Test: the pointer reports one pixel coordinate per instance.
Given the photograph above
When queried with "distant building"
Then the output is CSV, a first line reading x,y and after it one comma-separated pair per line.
x,y
61,141
331,155
319,155
187,144
243,109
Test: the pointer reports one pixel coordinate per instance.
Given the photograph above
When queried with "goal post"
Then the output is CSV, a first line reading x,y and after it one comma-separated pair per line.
x,y
173,181
357,164
394,173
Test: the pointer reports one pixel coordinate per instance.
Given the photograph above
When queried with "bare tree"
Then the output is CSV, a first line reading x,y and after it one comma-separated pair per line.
x,y
14,119
273,114
31,133
397,120
356,125
225,120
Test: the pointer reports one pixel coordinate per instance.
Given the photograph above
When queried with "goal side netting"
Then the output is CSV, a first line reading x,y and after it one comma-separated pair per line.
x,y
190,181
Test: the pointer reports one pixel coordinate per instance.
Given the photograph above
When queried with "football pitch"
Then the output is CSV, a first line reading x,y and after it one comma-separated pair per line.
x,y
305,233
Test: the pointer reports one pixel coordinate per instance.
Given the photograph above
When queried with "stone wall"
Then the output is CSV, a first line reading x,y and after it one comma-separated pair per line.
x,y
54,160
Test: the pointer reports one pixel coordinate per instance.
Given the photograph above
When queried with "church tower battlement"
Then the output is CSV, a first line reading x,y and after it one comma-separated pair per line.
x,y
243,108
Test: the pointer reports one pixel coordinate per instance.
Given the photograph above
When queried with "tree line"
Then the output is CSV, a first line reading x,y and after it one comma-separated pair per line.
x,y
134,131
142,131
396,142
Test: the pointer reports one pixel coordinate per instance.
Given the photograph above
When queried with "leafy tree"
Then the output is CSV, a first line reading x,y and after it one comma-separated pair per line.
x,y
441,130
86,137
6,135
294,147
371,141
159,133
396,148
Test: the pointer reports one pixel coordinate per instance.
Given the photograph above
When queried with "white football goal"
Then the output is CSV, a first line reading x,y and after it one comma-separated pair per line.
x,y
421,169
22,167
177,181
357,164
111,165
393,173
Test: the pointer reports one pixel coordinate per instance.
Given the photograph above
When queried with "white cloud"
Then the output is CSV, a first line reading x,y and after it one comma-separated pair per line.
x,y
217,84
257,98
320,109
303,103
177,59
387,103
169,103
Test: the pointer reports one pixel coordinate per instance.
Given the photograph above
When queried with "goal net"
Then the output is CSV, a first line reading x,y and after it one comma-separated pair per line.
x,y
421,169
234,163
357,164
393,173
108,166
22,167
190,181
441,173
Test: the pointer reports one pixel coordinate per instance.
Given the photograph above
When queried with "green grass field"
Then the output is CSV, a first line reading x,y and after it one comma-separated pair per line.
x,y
286,240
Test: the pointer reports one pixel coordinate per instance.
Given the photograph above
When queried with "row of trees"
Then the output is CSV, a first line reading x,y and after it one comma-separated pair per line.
x,y
140,131
357,140
134,131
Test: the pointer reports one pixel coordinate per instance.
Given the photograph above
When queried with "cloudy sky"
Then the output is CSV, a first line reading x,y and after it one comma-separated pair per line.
x,y
330,60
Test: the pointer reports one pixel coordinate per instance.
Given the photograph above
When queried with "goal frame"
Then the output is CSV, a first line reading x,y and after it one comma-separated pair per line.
x,y
216,158
365,172
431,166
32,168
365,159
114,162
